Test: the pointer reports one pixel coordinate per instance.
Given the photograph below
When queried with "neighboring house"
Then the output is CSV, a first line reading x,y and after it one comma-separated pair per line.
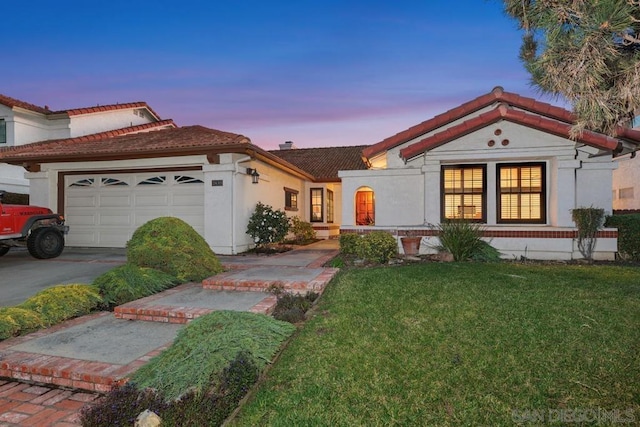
x,y
501,160
626,183
24,123
107,184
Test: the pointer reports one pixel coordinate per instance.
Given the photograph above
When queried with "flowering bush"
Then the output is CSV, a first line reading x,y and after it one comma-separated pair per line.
x,y
267,225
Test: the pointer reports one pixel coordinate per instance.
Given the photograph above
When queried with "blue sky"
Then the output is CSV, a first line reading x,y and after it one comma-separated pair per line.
x,y
319,73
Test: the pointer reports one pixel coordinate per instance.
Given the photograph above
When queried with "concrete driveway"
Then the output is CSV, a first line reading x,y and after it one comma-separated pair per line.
x,y
21,275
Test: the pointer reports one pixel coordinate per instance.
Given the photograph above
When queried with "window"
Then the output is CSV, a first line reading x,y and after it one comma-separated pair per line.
x,y
365,207
521,193
316,205
329,206
109,182
3,132
290,199
626,193
464,192
155,180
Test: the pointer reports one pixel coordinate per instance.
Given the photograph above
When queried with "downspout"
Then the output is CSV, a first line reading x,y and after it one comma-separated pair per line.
x,y
233,201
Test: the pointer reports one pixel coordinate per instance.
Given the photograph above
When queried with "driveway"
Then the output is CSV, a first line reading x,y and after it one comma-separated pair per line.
x,y
22,276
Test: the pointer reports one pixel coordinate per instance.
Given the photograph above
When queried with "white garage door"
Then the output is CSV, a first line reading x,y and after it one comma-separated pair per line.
x,y
103,210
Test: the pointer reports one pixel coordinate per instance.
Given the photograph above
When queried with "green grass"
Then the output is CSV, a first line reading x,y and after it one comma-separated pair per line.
x,y
459,344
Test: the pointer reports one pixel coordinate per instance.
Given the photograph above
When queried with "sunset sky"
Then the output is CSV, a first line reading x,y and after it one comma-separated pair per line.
x,y
319,73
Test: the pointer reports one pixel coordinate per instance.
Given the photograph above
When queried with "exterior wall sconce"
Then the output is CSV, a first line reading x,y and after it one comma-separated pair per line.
x,y
255,176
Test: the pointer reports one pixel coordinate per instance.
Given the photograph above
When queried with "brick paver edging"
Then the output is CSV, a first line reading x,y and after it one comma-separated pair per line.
x,y
144,309
223,282
23,404
65,371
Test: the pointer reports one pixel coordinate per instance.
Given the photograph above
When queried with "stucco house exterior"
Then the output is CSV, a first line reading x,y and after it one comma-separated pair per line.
x,y
501,160
24,123
109,183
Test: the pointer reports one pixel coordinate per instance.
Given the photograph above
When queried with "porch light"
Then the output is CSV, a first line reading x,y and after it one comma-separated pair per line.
x,y
255,176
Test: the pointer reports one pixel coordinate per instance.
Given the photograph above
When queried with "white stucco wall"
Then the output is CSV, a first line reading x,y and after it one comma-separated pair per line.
x,y
108,120
12,179
399,195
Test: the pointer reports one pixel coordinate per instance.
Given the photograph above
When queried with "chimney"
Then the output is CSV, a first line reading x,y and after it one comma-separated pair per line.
x,y
288,145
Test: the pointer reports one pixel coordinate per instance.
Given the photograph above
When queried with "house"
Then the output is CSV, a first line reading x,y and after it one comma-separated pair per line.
x,y
24,123
109,183
501,160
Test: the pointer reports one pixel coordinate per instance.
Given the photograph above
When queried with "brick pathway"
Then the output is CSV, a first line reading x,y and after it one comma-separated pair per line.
x,y
23,404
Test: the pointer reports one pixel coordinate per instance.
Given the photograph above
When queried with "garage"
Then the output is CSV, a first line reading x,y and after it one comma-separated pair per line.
x,y
104,209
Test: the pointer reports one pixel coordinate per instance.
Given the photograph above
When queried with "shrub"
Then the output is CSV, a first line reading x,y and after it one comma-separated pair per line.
x,y
303,231
378,247
628,234
63,302
267,225
171,245
206,345
588,221
120,407
463,240
350,243
16,320
292,307
207,407
129,282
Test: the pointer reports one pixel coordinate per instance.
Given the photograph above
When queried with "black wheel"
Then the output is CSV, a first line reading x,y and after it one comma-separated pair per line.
x,y
4,250
44,243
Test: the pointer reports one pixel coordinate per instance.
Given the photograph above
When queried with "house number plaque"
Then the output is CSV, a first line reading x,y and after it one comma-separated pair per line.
x,y
216,183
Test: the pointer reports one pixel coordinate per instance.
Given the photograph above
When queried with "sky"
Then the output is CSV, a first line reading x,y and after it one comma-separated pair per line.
x,y
318,73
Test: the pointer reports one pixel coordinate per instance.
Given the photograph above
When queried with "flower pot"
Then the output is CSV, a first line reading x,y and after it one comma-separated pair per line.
x,y
411,245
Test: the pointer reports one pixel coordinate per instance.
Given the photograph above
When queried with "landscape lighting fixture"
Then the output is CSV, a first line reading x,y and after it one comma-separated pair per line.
x,y
255,176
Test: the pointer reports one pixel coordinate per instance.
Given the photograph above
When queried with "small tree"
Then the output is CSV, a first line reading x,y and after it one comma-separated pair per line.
x,y
267,225
588,221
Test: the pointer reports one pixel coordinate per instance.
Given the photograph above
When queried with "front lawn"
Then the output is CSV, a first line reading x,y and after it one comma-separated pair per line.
x,y
469,344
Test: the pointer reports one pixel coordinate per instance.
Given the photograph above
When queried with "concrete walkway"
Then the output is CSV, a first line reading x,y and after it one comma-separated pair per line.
x,y
88,355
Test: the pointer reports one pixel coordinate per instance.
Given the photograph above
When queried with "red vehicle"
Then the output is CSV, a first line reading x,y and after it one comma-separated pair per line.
x,y
37,228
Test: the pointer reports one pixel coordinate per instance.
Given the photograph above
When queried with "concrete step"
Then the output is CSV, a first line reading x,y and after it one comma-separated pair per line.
x,y
190,301
262,278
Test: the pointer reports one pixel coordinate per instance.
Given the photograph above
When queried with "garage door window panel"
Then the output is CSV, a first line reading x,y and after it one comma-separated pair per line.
x,y
109,182
183,179
156,180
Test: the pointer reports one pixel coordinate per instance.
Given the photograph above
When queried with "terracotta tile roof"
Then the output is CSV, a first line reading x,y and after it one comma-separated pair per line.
x,y
12,102
503,111
496,95
123,144
324,163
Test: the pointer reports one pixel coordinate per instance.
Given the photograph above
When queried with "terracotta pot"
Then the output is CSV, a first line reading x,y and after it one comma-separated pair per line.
x,y
411,245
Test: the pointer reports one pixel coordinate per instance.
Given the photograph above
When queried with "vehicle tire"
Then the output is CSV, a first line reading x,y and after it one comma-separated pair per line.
x,y
4,250
44,243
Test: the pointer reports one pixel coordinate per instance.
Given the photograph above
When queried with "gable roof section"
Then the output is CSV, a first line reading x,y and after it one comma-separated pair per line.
x,y
127,143
12,103
159,139
506,112
496,95
324,163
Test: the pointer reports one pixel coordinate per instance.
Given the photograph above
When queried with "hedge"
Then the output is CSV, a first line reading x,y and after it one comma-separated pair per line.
x,y
628,234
